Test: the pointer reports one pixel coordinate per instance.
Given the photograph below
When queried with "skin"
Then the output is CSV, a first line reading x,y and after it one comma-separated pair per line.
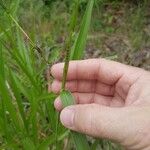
x,y
112,101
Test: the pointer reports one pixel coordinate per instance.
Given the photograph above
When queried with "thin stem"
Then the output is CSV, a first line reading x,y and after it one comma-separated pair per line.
x,y
72,26
67,48
67,58
24,33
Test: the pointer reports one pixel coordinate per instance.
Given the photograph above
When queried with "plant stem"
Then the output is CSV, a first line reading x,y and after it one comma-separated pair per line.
x,y
67,58
67,49
72,26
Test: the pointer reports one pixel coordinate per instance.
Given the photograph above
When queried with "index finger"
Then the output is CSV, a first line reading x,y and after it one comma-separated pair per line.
x,y
103,70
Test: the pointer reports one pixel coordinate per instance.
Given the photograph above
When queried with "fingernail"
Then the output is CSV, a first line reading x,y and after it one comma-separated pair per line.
x,y
67,117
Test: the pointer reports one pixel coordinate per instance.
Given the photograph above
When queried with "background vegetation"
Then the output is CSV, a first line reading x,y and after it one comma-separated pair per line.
x,y
120,30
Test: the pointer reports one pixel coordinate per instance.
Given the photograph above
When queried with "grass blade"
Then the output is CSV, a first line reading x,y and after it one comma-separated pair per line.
x,y
80,43
2,102
17,95
4,91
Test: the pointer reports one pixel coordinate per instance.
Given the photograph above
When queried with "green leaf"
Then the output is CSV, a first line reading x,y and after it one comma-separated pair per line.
x,y
17,95
80,140
80,43
6,98
67,98
3,113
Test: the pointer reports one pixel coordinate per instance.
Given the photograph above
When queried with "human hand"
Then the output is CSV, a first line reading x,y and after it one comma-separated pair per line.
x,y
113,101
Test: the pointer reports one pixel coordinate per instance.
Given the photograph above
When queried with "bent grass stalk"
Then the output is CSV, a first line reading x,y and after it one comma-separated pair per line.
x,y
34,46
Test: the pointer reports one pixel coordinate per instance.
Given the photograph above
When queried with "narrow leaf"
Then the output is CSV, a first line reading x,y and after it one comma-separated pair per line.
x,y
80,43
2,102
17,95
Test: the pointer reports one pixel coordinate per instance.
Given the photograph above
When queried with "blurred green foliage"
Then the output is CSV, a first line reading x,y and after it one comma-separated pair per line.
x,y
46,22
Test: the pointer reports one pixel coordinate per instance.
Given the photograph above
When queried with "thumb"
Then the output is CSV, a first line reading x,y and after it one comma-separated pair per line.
x,y
95,120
